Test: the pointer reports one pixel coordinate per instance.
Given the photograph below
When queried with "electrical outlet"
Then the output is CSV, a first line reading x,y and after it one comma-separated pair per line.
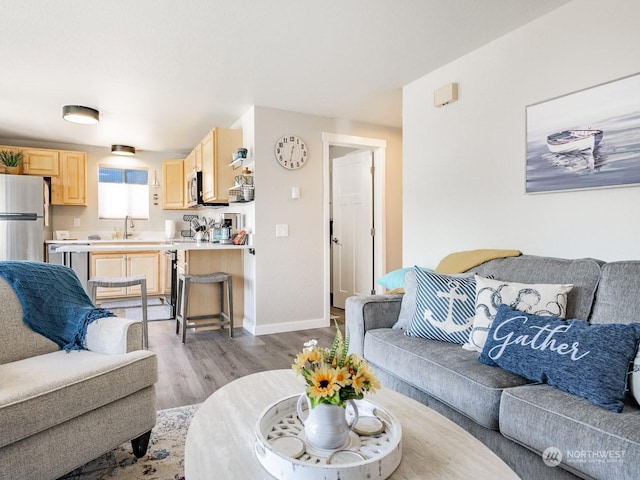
x,y
282,230
76,222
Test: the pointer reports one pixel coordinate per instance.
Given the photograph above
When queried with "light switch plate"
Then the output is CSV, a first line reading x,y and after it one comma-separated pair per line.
x,y
282,230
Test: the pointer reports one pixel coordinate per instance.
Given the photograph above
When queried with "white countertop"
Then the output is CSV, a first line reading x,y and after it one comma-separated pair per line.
x,y
78,246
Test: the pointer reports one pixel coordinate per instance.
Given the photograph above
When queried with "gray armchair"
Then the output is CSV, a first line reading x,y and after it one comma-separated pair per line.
x,y
60,410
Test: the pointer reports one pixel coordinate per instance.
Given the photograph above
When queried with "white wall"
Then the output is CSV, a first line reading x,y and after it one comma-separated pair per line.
x,y
464,164
289,288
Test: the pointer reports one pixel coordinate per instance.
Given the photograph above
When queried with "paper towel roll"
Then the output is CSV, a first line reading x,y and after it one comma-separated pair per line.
x,y
169,229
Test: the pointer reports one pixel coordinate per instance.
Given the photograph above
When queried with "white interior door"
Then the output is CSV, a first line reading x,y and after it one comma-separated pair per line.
x,y
352,238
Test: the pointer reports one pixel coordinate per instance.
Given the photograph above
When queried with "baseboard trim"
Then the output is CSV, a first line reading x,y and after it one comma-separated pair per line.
x,y
287,326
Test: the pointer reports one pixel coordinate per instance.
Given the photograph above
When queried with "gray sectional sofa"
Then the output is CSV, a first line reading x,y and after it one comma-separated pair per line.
x,y
516,418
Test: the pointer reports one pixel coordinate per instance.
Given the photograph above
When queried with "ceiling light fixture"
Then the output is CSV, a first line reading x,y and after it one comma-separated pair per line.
x,y
80,114
125,150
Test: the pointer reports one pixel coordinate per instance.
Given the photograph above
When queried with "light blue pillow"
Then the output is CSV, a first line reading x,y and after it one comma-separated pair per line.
x,y
588,360
445,307
395,279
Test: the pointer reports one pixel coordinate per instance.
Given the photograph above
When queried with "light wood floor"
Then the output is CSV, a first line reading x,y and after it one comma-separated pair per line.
x,y
188,373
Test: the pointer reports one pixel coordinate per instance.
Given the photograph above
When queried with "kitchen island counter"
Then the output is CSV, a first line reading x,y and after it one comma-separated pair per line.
x,y
189,258
129,245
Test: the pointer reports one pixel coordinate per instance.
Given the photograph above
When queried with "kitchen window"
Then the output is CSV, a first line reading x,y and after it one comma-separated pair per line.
x,y
122,192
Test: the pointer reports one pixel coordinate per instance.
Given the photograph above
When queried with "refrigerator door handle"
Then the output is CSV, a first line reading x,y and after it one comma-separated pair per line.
x,y
19,216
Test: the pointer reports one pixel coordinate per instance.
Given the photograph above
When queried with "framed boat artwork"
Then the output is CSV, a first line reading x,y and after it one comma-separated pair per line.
x,y
586,139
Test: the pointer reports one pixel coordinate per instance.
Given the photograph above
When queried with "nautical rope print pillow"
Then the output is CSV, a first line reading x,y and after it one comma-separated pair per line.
x,y
537,299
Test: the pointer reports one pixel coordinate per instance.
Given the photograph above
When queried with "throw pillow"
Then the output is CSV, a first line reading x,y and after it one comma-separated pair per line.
x,y
408,304
444,307
588,360
539,299
394,281
634,378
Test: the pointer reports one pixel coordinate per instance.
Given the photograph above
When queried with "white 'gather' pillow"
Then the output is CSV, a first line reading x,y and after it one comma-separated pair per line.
x,y
538,299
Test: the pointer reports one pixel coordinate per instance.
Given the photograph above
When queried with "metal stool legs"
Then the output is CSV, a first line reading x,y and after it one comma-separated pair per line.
x,y
182,304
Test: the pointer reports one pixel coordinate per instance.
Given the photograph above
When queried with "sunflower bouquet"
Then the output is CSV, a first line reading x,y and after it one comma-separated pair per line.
x,y
332,375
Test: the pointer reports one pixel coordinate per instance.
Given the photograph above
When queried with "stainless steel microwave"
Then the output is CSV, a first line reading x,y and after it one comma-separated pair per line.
x,y
194,192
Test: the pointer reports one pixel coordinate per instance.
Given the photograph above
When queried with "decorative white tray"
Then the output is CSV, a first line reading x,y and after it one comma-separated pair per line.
x,y
281,448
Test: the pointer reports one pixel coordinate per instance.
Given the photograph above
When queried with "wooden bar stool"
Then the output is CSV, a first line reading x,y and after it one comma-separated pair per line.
x,y
113,282
182,307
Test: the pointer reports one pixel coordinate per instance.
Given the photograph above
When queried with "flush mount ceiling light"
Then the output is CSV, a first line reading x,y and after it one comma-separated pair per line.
x,y
80,114
123,150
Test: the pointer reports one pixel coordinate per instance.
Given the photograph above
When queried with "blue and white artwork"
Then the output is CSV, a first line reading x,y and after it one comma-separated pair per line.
x,y
587,139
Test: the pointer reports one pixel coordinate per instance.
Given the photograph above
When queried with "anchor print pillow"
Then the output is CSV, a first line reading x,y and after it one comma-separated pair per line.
x,y
538,299
588,360
445,306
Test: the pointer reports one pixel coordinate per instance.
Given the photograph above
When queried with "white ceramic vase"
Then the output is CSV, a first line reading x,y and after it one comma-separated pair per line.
x,y
326,426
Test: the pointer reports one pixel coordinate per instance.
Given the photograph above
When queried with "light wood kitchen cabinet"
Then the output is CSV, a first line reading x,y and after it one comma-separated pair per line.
x,y
121,264
111,265
194,160
38,161
173,184
185,174
70,187
147,264
217,176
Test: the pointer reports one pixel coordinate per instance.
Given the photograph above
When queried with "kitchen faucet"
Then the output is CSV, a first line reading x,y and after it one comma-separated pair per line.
x,y
128,223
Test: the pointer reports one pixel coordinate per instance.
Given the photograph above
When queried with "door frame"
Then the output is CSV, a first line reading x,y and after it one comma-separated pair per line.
x,y
378,147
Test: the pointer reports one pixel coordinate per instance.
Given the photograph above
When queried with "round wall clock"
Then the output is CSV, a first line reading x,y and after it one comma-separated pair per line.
x,y
291,152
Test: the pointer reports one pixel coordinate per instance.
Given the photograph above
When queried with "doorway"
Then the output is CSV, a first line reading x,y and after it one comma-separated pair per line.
x,y
352,226
361,161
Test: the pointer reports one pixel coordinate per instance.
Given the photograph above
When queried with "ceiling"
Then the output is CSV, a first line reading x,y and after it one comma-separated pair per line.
x,y
162,72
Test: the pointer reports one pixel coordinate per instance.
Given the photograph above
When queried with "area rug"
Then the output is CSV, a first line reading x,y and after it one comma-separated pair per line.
x,y
164,459
156,309
155,312
134,302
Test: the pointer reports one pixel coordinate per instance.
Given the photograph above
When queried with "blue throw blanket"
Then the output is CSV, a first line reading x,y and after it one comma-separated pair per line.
x,y
53,301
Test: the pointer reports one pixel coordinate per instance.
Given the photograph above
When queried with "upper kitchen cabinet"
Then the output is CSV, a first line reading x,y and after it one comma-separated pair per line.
x,y
173,183
193,162
70,187
217,176
38,161
67,169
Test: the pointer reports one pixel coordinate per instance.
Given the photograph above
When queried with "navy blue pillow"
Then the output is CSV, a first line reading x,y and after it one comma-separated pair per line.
x,y
588,360
445,307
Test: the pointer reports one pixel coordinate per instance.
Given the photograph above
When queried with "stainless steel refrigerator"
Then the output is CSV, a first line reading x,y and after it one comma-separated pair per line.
x,y
24,217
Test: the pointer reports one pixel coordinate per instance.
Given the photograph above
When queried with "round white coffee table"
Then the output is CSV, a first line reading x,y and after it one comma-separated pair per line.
x,y
221,438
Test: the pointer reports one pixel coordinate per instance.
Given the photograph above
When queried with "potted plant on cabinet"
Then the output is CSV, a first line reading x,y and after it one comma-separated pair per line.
x,y
12,161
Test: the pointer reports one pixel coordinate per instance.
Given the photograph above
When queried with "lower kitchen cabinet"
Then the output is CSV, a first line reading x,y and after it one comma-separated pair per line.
x,y
121,264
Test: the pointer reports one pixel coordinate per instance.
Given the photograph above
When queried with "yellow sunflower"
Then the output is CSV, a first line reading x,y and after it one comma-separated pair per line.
x,y
322,383
343,377
299,362
364,380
